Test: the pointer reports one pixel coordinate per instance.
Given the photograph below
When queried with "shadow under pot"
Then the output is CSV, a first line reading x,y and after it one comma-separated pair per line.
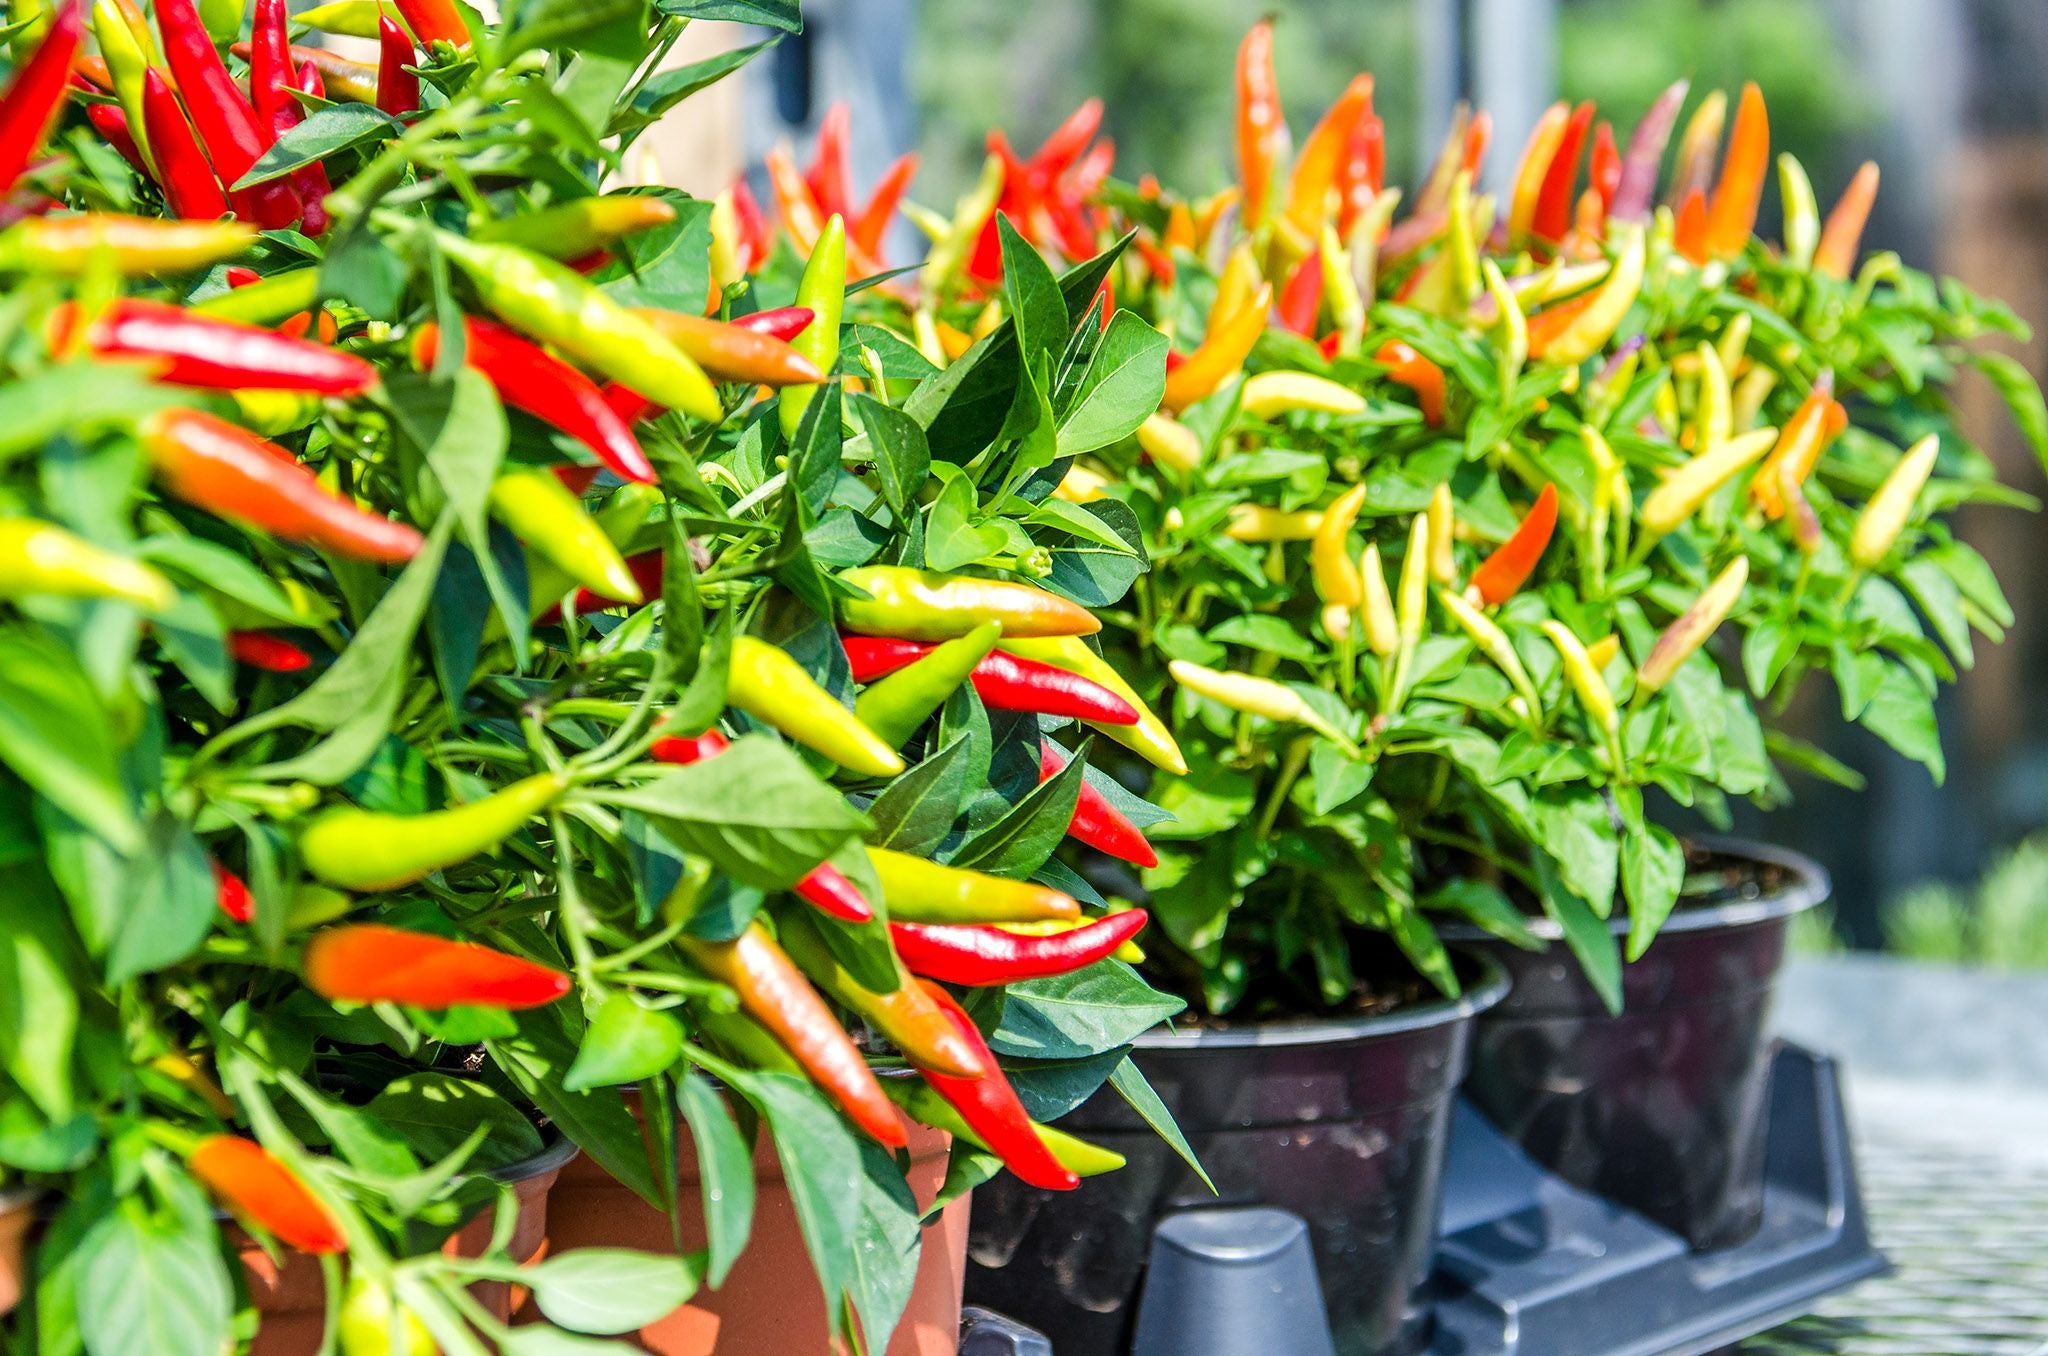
x,y
771,1303
1342,1121
290,1294
17,1214
1660,1108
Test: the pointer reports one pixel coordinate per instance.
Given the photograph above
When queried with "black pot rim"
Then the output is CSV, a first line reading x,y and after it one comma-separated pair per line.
x,y
554,1155
1488,989
1809,886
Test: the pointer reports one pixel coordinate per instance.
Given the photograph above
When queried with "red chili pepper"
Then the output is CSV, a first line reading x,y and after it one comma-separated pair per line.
x,y
1603,167
1478,136
36,93
1096,822
319,322
991,1109
371,963
272,654
830,185
1418,374
214,465
1303,295
235,276
646,567
528,377
1261,126
231,893
227,124
111,122
753,225
215,355
433,21
1689,233
1003,681
867,229
259,1189
190,190
398,89
1554,200
784,322
826,888
1501,576
981,954
1732,215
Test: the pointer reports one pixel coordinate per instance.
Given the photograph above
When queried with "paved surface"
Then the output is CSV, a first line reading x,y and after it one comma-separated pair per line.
x,y
1948,1100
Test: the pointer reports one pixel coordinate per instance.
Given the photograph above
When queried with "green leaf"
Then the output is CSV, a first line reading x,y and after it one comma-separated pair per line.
x,y
886,1241
39,992
782,14
821,1164
953,536
915,811
1083,1013
1587,934
725,1171
610,1290
1032,296
1901,713
1652,870
153,1282
903,459
1130,1083
1124,384
324,132
1019,842
56,737
435,1112
169,906
558,23
666,266
625,1042
78,399
666,88
598,1121
2022,395
1485,905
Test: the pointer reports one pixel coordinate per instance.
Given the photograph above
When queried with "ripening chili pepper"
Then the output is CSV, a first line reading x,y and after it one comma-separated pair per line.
x,y
1680,640
1382,627
1302,296
42,559
366,850
738,351
1591,688
825,886
432,21
1696,147
919,891
260,1190
1689,231
894,707
227,124
224,469
991,1108
1493,642
1443,530
36,93
1842,236
1261,126
904,1014
1534,169
978,954
870,225
209,353
231,894
1554,195
926,605
542,513
1805,436
1170,443
1501,575
1254,696
528,378
1603,167
1418,374
1270,394
579,227
182,171
775,993
1219,357
829,179
272,654
822,290
1732,215
1573,332
1335,574
1637,187
1801,211
375,1322
398,89
556,305
339,77
1884,517
1148,738
371,963
1003,681
773,688
924,1105
1095,822
133,246
1263,523
1317,168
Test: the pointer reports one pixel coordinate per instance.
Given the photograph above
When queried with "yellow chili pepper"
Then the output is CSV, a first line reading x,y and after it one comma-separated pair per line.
x,y
1170,443
1604,651
1274,393
970,213
1750,393
1364,248
1592,690
1495,645
1884,517
1683,637
1733,343
1382,628
1080,485
1585,332
1234,289
1341,287
1802,211
1255,697
1220,355
1692,484
1462,243
1536,157
1411,609
1443,527
1336,574
1257,522
1512,343
1716,404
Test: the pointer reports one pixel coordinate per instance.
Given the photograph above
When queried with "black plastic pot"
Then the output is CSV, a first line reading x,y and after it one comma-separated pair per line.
x,y
1343,1122
1660,1108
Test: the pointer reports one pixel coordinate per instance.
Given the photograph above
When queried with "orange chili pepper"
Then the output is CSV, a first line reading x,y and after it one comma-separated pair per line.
x,y
1732,216
1418,374
259,1189
1690,233
1501,575
1839,239
1209,366
1806,434
801,216
1537,154
1261,127
1603,168
1554,199
1322,156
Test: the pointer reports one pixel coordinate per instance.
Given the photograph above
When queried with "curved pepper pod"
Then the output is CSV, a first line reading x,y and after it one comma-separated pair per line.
x,y
272,654
991,1108
572,230
925,605
1219,356
398,89
432,21
210,353
1003,681
1884,517
774,689
231,893
1271,394
1149,738
977,954
36,93
132,246
896,706
1679,641
1418,374
826,887
182,169
365,850
38,558
1501,575
1840,238
1096,822
1574,330
919,891
822,289
371,963
903,1014
543,514
775,994
227,125
737,352
217,466
259,1190
341,78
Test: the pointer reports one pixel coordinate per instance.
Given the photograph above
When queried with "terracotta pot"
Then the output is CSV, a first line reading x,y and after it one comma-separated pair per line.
x,y
17,1213
291,1295
771,1304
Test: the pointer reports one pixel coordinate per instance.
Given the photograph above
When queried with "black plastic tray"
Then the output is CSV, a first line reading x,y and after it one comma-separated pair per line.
x,y
1528,1266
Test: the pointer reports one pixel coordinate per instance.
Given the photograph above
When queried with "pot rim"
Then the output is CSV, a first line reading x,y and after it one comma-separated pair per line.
x,y
1487,989
556,1150
22,1195
1810,885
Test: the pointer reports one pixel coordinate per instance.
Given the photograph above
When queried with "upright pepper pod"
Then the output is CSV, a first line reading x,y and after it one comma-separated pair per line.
x,y
36,93
1336,575
1493,642
1501,575
774,689
1382,628
432,21
398,88
1884,517
1679,495
1637,188
920,891
990,1105
1316,170
1732,213
366,850
1802,212
244,1177
227,124
1805,436
1261,125
1537,154
371,963
1591,688
182,170
1411,607
39,559
1840,238
1219,357
1443,533
897,705
1679,641
924,605
1574,331
822,291
1553,214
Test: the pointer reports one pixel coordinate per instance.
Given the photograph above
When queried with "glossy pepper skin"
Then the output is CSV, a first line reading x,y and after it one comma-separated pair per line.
x,y
1501,575
897,705
1096,822
1843,234
42,559
773,688
36,93
904,1014
1219,356
1149,738
925,605
925,1106
231,894
398,89
133,246
366,850
272,654
371,963
990,1106
919,891
826,887
1003,681
243,1176
775,993
1261,127
822,290
227,124
213,354
224,469
738,351
433,21
339,77
182,170
580,227
977,954
551,521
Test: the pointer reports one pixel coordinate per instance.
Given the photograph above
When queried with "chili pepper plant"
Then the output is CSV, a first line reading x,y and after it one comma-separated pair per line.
x,y
483,669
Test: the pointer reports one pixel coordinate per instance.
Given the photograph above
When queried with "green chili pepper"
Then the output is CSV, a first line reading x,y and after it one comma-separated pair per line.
x,y
268,301
823,292
894,707
919,891
364,850
925,605
555,304
542,513
774,689
580,227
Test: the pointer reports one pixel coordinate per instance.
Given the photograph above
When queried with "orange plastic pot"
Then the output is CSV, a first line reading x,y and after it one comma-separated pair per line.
x,y
771,1304
290,1294
17,1213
